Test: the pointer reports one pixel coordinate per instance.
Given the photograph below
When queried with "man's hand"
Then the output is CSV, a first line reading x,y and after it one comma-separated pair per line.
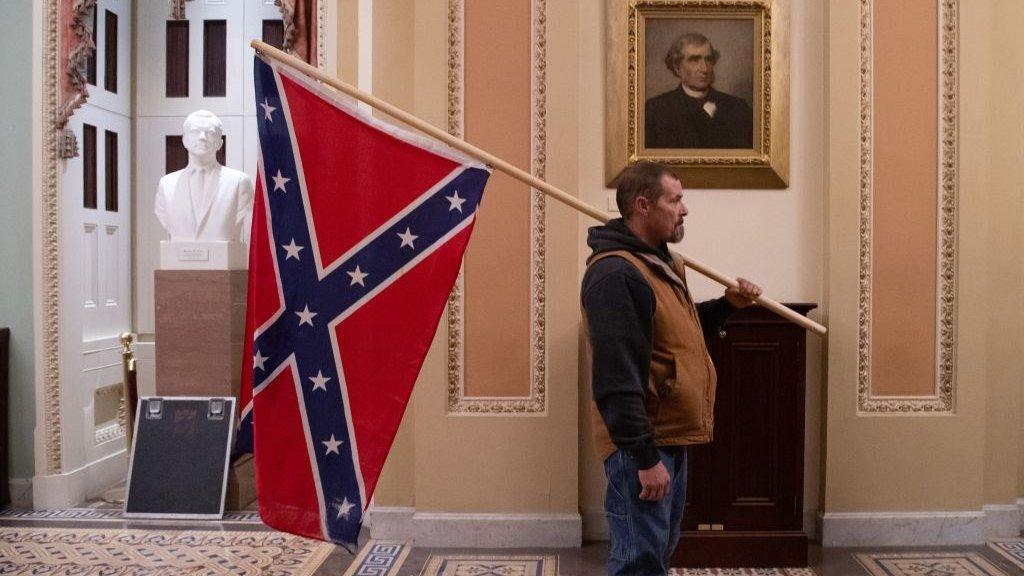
x,y
743,295
655,482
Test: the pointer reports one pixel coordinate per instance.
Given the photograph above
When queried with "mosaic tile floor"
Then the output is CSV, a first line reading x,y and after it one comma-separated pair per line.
x,y
491,565
123,552
742,572
377,558
927,564
1012,549
115,515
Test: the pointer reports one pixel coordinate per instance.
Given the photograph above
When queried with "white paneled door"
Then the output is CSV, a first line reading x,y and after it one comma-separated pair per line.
x,y
96,251
142,84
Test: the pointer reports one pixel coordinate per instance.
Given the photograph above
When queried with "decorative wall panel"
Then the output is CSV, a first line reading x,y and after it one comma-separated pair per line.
x,y
908,207
498,388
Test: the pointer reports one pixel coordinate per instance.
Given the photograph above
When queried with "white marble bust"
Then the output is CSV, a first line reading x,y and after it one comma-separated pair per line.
x,y
204,201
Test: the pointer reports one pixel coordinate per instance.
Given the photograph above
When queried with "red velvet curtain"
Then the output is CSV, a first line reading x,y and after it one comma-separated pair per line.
x,y
300,28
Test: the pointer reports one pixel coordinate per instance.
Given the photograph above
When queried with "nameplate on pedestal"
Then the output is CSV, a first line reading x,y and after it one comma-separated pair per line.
x,y
194,254
203,255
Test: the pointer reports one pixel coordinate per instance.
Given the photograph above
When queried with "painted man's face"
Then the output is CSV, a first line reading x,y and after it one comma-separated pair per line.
x,y
697,68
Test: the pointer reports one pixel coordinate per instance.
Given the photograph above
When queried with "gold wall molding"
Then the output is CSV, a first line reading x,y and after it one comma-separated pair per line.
x,y
536,403
321,35
50,230
943,400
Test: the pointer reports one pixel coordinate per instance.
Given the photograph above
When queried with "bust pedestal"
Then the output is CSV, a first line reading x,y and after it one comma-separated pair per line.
x,y
200,326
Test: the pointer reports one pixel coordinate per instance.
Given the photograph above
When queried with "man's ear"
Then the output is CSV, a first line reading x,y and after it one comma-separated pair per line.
x,y
640,205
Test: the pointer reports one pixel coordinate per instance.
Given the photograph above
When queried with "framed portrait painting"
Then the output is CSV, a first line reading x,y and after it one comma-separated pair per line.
x,y
702,86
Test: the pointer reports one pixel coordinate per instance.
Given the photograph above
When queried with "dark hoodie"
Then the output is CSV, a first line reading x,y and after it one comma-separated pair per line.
x,y
619,305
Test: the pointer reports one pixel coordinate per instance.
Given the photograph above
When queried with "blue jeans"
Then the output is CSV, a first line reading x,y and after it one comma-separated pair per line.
x,y
643,533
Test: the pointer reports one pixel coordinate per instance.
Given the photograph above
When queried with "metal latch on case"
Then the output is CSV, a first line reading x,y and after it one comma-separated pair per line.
x,y
215,409
154,409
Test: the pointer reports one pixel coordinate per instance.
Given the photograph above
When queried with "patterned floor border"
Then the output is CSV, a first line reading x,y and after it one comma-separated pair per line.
x,y
379,558
927,563
117,515
137,552
1010,548
479,565
741,572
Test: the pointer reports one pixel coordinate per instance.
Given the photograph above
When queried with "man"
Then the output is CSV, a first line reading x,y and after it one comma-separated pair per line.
x,y
204,201
653,381
695,115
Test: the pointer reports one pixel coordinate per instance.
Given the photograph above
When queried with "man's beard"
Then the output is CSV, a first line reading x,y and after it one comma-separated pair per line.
x,y
678,232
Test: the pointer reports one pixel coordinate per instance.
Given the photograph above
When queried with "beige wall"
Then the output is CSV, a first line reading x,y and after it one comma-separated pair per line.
x,y
515,464
1004,441
394,64
347,38
960,461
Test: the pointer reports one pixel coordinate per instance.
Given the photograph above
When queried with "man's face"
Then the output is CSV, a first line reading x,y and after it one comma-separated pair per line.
x,y
202,137
665,215
697,68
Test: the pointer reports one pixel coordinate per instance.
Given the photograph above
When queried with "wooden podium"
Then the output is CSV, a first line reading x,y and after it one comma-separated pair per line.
x,y
745,489
200,325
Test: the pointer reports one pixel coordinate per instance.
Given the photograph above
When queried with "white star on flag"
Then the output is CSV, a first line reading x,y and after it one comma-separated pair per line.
x,y
344,509
407,238
292,250
455,201
332,445
267,110
357,277
319,381
280,181
258,360
305,317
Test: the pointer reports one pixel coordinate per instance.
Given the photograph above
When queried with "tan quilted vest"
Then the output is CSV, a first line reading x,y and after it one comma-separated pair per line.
x,y
680,392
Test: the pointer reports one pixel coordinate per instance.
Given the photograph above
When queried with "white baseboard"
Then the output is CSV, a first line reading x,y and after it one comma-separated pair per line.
x,y
1001,520
390,522
954,528
21,493
448,530
1020,508
72,488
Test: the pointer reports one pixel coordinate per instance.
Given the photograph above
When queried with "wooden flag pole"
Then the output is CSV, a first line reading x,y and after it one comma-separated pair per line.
x,y
525,177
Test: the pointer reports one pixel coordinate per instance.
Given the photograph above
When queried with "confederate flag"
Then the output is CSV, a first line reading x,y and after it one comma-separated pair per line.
x,y
358,232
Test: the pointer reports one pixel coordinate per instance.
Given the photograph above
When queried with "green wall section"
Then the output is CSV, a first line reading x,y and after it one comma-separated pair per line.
x,y
16,224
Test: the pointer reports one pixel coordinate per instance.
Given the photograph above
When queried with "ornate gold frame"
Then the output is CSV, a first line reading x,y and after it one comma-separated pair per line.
x,y
767,165
943,401
536,403
50,229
